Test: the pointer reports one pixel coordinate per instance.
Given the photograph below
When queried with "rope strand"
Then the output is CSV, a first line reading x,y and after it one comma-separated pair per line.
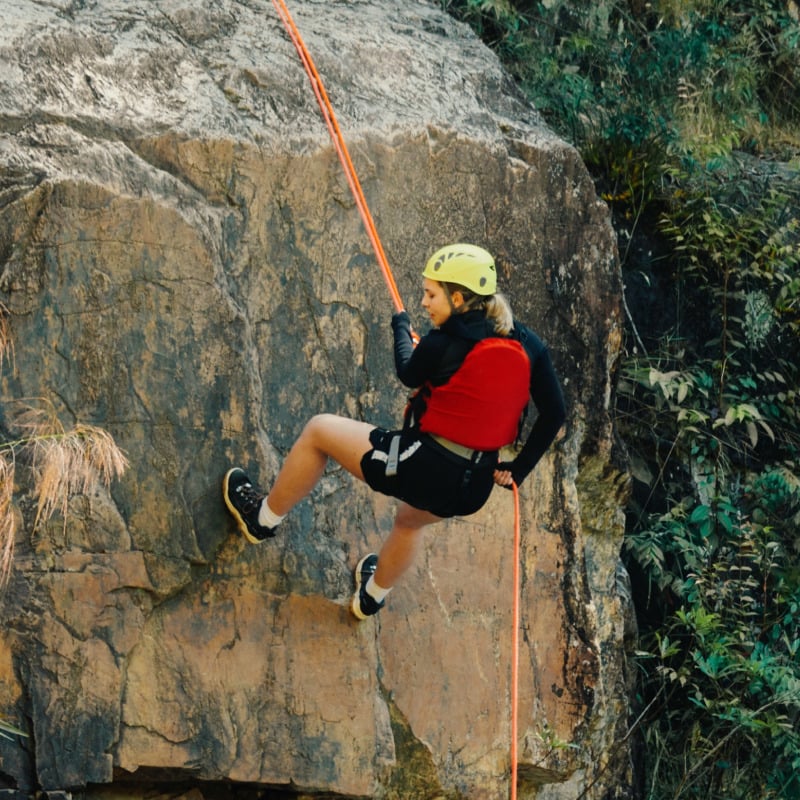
x,y
341,148
332,124
515,650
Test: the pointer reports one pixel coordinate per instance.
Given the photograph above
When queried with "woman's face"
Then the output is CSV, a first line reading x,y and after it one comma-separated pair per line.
x,y
435,302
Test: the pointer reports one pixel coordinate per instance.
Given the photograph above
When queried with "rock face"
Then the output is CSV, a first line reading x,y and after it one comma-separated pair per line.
x,y
184,266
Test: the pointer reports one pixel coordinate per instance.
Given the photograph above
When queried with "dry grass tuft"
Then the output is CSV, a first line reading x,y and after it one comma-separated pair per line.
x,y
72,462
6,343
63,463
8,525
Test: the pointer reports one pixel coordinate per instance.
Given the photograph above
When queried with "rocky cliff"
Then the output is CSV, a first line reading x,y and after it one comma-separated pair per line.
x,y
183,265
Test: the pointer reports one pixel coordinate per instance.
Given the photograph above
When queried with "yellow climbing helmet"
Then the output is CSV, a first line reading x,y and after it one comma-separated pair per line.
x,y
464,264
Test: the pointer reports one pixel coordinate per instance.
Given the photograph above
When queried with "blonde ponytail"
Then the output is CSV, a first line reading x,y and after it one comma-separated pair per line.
x,y
498,311
496,306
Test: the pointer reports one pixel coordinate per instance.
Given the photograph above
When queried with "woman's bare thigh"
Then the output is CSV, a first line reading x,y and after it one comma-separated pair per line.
x,y
342,439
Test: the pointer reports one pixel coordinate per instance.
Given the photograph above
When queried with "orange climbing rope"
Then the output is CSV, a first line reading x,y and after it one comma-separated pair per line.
x,y
515,649
331,122
341,148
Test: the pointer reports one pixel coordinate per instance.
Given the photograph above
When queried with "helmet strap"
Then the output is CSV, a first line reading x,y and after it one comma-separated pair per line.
x,y
473,302
468,303
449,296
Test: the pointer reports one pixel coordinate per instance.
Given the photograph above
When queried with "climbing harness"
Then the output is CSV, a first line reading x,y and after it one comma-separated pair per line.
x,y
332,124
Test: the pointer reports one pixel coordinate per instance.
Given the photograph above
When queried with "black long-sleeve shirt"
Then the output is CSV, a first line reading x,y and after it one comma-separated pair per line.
x,y
441,352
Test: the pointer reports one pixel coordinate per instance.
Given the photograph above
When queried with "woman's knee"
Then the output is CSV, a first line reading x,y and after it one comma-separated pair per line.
x,y
319,425
341,438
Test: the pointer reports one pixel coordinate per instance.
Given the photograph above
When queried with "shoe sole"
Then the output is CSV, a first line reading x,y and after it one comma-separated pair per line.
x,y
242,525
355,603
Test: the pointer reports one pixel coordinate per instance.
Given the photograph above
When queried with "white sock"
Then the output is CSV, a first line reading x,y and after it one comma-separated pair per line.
x,y
377,593
267,517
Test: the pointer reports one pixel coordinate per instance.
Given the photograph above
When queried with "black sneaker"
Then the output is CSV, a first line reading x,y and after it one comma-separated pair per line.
x,y
244,502
365,605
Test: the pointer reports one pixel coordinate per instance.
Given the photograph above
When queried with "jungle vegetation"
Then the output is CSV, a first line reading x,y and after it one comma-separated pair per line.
x,y
687,114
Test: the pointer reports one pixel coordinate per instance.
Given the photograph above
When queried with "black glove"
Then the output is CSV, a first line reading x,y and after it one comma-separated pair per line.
x,y
401,320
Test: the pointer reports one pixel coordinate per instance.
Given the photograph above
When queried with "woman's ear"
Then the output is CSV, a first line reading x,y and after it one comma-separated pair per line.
x,y
457,298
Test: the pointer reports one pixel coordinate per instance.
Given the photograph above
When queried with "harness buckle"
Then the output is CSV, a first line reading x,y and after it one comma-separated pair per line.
x,y
394,456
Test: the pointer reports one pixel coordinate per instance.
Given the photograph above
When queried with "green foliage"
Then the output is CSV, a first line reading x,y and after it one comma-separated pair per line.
x,y
500,23
711,419
724,665
627,82
682,111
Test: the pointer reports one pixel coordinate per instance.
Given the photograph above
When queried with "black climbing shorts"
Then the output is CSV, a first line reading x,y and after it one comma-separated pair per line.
x,y
429,476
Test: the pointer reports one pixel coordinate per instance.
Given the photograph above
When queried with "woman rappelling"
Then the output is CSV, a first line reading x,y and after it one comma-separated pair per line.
x,y
474,374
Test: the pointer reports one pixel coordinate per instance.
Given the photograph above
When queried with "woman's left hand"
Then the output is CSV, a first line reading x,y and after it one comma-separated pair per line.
x,y
502,477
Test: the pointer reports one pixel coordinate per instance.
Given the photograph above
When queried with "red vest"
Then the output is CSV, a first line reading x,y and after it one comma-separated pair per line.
x,y
481,405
